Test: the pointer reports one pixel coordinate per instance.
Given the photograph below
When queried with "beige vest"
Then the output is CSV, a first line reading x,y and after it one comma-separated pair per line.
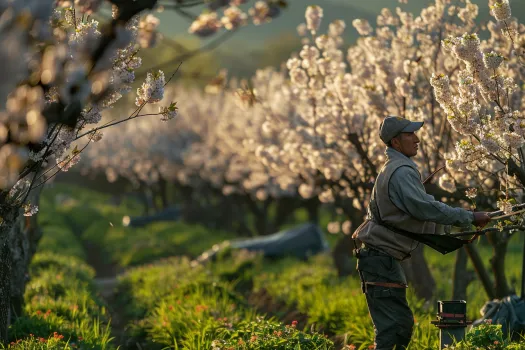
x,y
380,237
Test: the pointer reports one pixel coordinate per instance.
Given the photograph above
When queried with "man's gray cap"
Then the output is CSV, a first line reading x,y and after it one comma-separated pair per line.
x,y
393,126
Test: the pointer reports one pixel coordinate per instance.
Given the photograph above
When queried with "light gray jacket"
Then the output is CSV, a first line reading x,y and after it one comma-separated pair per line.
x,y
403,202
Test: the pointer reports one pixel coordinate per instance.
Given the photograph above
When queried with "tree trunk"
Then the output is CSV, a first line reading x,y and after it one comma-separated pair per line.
x,y
418,274
480,269
145,202
19,236
344,261
499,242
226,218
151,198
523,268
186,195
260,214
285,206
163,193
462,277
342,253
5,290
312,207
240,216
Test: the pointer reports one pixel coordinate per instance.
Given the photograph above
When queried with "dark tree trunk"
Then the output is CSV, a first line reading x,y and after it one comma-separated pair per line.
x,y
481,271
151,198
523,268
5,290
186,194
312,207
344,260
19,236
343,251
418,274
163,193
145,202
285,206
499,242
240,216
260,214
462,277
227,217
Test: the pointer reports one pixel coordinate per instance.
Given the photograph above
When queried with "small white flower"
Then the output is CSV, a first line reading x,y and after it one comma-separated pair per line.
x,y
505,205
30,209
501,10
170,112
492,60
152,90
471,193
313,16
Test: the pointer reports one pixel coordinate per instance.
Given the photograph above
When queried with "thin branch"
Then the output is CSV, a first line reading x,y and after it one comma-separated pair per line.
x,y
185,14
111,124
60,169
488,230
46,153
182,5
132,116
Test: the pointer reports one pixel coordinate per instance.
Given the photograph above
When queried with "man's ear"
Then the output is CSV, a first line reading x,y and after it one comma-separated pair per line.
x,y
395,142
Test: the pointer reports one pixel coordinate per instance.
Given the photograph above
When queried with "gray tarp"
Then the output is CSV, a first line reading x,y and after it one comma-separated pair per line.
x,y
301,241
509,312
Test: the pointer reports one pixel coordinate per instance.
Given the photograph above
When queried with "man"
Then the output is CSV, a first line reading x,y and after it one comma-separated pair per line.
x,y
398,201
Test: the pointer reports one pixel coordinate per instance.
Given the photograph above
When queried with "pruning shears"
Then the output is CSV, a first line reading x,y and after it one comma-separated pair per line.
x,y
496,215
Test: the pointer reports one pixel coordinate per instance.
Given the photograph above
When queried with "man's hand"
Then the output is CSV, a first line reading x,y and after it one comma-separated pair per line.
x,y
481,218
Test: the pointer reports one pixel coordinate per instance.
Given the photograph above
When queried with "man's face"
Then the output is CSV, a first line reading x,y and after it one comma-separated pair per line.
x,y
406,143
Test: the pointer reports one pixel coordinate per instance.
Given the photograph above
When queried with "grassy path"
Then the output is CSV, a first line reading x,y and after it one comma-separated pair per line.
x,y
106,281
106,287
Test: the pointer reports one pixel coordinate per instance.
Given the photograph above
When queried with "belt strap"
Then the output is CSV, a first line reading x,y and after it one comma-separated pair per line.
x,y
387,284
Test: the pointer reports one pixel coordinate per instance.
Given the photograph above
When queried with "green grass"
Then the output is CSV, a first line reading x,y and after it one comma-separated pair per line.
x,y
176,304
62,310
90,216
442,267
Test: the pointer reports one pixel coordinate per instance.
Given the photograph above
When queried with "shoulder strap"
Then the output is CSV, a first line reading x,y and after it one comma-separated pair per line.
x,y
441,243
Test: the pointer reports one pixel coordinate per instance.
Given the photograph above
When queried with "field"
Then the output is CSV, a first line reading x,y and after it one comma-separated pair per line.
x,y
141,289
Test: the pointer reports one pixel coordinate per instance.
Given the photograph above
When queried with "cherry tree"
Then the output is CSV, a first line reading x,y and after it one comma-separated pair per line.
x,y
62,69
129,153
482,101
208,152
328,142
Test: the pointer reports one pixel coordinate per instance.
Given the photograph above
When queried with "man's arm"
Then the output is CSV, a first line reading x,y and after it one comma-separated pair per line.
x,y
408,194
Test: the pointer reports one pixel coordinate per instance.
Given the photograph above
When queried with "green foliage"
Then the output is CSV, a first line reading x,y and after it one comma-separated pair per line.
x,y
60,298
90,216
336,306
186,305
134,246
62,265
55,342
60,239
61,308
175,303
487,336
442,267
265,334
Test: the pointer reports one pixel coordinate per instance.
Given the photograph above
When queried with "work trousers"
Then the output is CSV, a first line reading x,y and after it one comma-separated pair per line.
x,y
392,318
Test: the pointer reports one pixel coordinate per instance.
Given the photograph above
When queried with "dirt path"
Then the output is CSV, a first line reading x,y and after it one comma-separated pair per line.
x,y
100,261
106,281
107,287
